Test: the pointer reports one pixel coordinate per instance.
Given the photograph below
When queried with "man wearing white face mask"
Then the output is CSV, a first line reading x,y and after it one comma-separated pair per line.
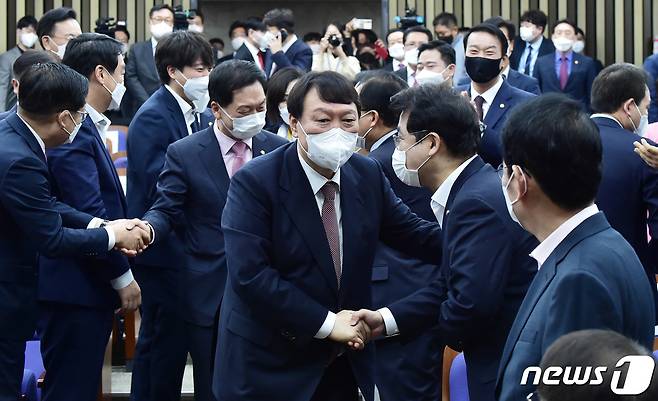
x,y
413,38
436,63
25,38
564,70
56,28
183,60
395,43
85,178
531,43
254,48
628,194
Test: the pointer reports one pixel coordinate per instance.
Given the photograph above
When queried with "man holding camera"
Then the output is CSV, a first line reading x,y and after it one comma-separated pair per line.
x,y
287,50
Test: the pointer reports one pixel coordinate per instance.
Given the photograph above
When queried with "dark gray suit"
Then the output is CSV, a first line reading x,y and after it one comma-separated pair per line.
x,y
141,75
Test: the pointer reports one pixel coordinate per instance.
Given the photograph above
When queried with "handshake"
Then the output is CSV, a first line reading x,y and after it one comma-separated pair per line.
x,y
132,237
356,328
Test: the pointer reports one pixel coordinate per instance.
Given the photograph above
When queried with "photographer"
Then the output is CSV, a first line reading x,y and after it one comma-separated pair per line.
x,y
332,56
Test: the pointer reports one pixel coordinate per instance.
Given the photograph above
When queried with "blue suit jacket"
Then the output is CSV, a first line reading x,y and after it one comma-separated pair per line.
x,y
651,67
491,145
628,190
485,273
157,124
298,55
32,222
84,177
592,280
141,74
191,195
579,85
546,47
281,279
7,113
523,82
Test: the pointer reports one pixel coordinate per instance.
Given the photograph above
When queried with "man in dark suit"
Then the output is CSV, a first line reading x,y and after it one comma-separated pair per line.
x,y
589,276
564,70
287,50
193,187
184,60
78,296
141,74
395,43
300,231
531,43
407,368
255,47
413,38
237,32
485,271
492,96
52,97
628,194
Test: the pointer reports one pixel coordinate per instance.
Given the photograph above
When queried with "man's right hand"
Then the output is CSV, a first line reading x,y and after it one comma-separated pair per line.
x,y
354,334
131,297
131,236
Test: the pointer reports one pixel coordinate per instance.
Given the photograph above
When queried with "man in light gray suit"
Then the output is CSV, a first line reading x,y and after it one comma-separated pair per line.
x,y
26,37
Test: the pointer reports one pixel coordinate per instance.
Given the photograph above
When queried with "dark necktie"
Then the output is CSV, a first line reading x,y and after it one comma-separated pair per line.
x,y
479,101
564,73
195,126
527,60
330,222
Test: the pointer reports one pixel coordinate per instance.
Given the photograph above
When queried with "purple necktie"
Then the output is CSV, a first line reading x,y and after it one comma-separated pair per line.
x,y
479,101
239,149
330,222
564,73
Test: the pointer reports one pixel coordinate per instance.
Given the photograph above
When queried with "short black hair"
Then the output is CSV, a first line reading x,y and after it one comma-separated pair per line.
x,y
420,29
316,36
29,58
617,83
492,30
394,30
89,50
159,7
565,21
235,25
446,51
580,32
121,28
230,76
535,17
180,49
500,22
376,94
254,24
440,109
216,40
331,87
48,88
281,18
27,21
276,90
371,36
549,131
46,24
446,19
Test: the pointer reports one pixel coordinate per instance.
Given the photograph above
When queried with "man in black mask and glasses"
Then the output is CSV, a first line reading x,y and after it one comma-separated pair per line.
x,y
492,97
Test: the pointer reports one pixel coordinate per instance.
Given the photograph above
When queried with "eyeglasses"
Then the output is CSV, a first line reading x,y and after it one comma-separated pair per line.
x,y
159,20
397,139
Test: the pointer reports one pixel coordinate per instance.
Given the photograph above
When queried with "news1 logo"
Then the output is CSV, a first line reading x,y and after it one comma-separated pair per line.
x,y
639,370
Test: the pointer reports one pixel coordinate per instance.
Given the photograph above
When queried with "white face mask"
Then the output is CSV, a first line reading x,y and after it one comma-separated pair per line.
x,y
579,46
396,51
220,54
399,163
61,49
563,44
641,129
411,56
73,133
315,48
237,42
117,93
160,30
245,127
330,149
28,39
430,77
285,116
509,202
196,89
264,40
526,33
361,140
195,28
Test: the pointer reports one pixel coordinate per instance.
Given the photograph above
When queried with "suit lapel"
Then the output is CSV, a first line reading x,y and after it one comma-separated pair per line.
x,y
499,106
576,65
17,124
474,166
268,63
175,112
212,158
110,164
350,208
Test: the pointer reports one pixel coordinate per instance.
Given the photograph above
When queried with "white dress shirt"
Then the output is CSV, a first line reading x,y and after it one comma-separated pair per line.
x,y
188,111
317,181
101,122
608,116
154,44
547,246
284,48
254,53
398,65
411,77
488,96
534,53
381,140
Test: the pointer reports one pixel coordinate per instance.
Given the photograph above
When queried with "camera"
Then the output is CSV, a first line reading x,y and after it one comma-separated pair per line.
x,y
181,16
106,26
410,19
334,40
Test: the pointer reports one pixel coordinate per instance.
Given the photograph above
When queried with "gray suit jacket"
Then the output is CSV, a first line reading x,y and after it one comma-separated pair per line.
x,y
7,97
141,74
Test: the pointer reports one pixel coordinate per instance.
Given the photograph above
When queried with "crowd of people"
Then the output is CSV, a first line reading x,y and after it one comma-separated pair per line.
x,y
316,218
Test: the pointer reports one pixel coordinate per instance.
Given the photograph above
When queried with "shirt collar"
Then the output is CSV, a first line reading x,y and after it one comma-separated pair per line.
x,y
316,179
558,55
39,140
490,94
293,39
154,43
505,72
253,50
100,120
441,195
538,43
547,246
381,140
608,116
225,142
184,106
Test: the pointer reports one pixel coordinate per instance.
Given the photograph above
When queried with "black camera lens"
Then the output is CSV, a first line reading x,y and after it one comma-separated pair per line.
x,y
334,40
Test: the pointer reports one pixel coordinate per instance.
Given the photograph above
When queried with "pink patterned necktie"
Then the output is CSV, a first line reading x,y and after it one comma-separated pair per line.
x,y
239,150
330,222
564,73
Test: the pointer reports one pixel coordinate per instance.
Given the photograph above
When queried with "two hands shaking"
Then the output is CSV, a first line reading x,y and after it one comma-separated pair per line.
x,y
132,236
356,328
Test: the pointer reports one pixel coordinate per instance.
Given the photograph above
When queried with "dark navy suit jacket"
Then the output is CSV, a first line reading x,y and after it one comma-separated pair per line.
x,y
628,191
281,279
243,53
7,113
491,145
485,273
523,82
33,222
84,177
579,84
298,55
546,47
192,189
592,280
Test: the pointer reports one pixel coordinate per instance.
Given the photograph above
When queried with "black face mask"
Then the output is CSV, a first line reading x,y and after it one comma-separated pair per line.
x,y
448,39
482,70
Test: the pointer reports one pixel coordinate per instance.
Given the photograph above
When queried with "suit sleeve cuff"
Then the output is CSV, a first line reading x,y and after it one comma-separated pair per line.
x,y
327,327
389,322
95,223
111,239
152,232
123,280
